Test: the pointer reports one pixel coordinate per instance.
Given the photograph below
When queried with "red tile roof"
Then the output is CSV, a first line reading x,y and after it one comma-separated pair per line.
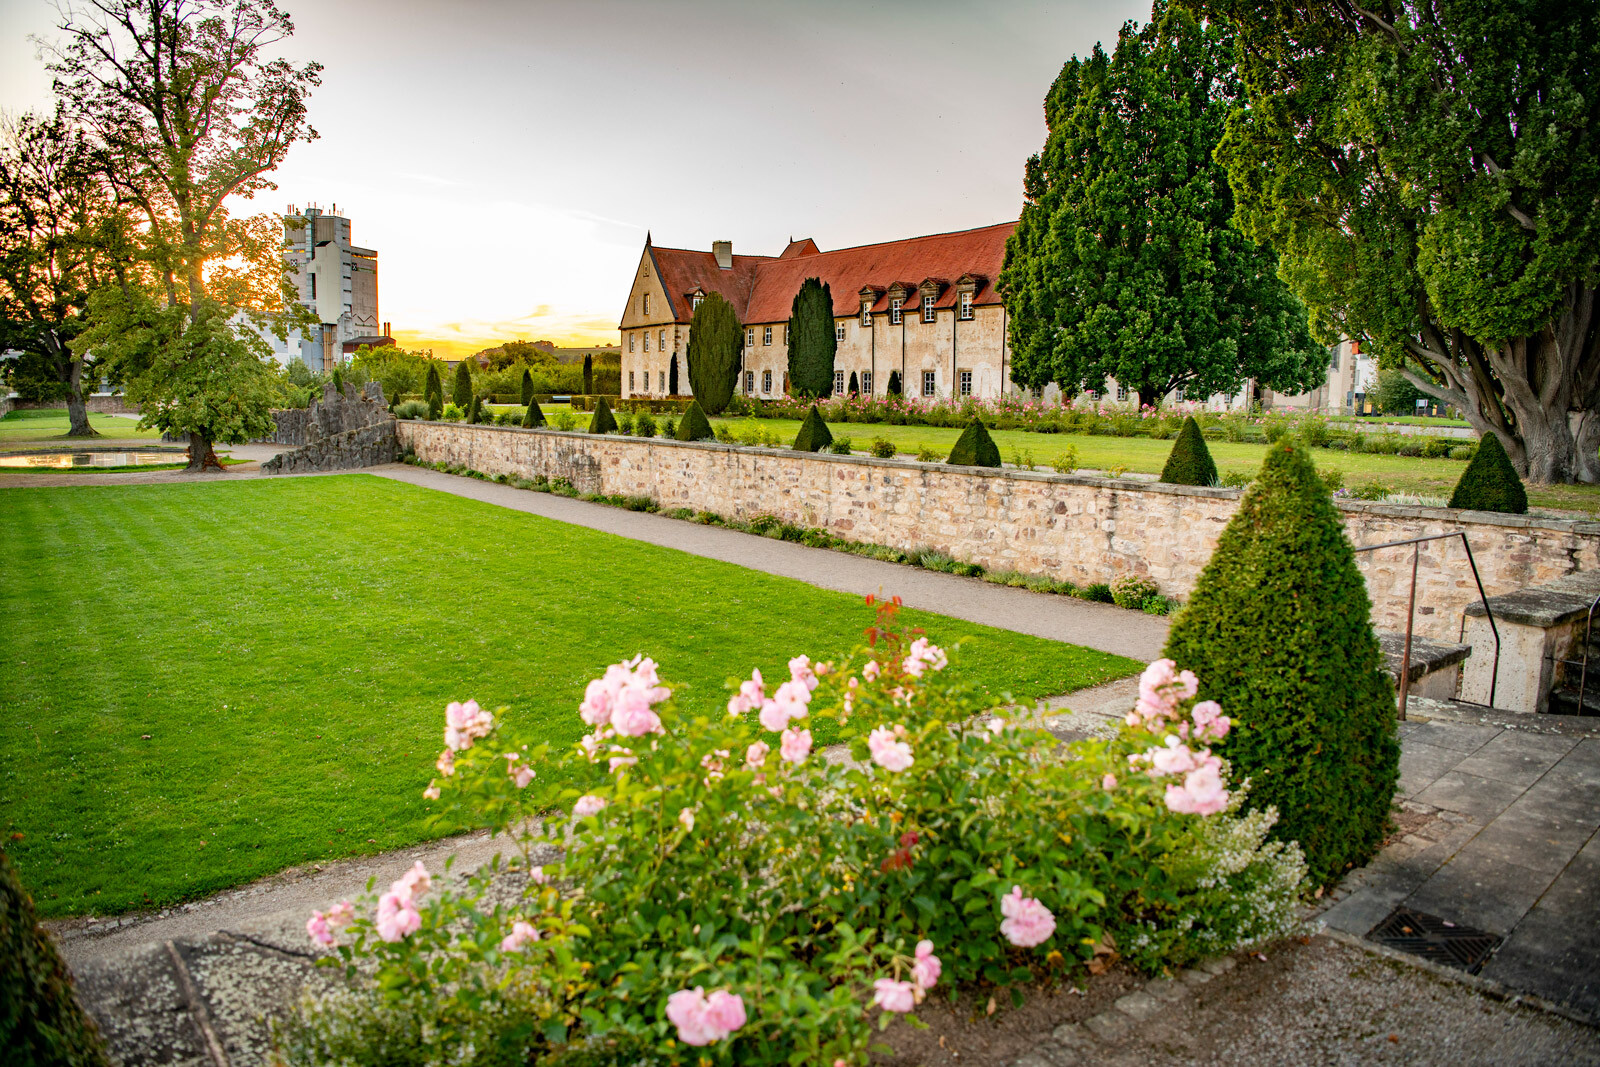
x,y
762,288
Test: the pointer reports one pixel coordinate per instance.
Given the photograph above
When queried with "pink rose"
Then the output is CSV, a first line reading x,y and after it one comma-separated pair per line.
x,y
521,933
925,971
1027,922
432,792
773,717
1109,782
631,715
596,707
397,917
588,805
538,877
724,1012
870,671
414,882
887,752
792,698
796,745
317,929
686,819
446,763
756,755
341,914
894,996
1175,758
1201,793
702,1021
801,672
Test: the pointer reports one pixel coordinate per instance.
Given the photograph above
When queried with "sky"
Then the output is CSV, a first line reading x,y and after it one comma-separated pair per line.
x,y
506,159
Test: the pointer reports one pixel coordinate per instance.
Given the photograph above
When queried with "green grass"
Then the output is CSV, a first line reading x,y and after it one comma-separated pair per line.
x,y
1405,474
204,683
50,425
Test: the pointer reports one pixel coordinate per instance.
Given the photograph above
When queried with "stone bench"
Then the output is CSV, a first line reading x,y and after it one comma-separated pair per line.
x,y
1435,666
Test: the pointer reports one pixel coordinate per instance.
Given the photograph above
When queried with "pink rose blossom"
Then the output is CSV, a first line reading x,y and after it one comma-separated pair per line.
x,y
521,933
792,698
631,715
521,774
538,877
711,762
1109,782
795,746
686,818
1175,758
432,792
341,914
888,753
801,672
591,743
702,1021
317,929
926,656
414,882
894,996
1208,719
588,805
870,671
463,722
751,695
596,707
756,755
725,1012
1027,922
1201,793
925,971
618,762
446,763
397,917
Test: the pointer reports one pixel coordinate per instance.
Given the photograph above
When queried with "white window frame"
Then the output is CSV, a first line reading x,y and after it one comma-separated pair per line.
x,y
694,302
966,307
766,382
647,340
866,314
630,381
749,382
661,340
838,383
644,306
866,382
749,336
895,304
927,308
766,335
838,332
661,378
930,383
1122,392
965,380
630,342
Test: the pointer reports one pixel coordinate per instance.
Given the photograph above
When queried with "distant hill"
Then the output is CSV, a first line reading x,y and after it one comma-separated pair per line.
x,y
536,352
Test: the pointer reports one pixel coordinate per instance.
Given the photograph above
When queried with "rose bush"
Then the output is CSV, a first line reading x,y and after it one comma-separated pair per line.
x,y
727,894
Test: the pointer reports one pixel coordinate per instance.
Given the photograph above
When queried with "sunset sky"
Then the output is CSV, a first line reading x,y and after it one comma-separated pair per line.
x,y
507,158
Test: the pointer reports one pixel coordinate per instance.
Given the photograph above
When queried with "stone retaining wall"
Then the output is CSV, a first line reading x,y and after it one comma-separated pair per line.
x,y
1071,527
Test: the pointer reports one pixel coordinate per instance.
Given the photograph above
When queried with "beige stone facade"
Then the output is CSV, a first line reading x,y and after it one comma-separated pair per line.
x,y
1070,527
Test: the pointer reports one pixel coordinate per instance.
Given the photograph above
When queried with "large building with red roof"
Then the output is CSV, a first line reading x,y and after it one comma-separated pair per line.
x,y
926,307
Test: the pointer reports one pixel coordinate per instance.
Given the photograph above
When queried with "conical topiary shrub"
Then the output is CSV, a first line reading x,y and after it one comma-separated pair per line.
x,y
527,386
475,411
433,392
1190,461
694,426
894,383
1490,482
40,1019
854,388
1279,632
534,416
603,421
975,448
814,434
461,392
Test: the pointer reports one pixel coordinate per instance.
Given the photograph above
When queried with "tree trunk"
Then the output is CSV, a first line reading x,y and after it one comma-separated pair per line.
x,y
77,414
202,456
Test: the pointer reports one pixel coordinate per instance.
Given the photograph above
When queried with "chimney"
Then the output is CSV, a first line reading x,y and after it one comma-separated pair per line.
x,y
723,250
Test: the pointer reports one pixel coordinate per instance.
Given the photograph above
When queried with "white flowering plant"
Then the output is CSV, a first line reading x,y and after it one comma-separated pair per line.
x,y
726,894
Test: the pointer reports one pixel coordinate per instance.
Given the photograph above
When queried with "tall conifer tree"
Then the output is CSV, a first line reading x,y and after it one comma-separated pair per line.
x,y
716,340
812,342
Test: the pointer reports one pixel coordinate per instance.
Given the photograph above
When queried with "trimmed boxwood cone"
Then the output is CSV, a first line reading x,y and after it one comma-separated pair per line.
x,y
1279,632
603,421
975,448
1490,482
535,415
694,426
894,383
1190,462
814,435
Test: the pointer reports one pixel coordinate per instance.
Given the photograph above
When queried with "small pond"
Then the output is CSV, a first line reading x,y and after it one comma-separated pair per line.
x,y
120,457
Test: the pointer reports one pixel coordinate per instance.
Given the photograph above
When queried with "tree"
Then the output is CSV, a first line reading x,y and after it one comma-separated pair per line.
x,y
397,370
894,388
854,386
1190,461
1427,173
1394,394
1279,632
588,374
812,342
188,113
527,386
433,392
1490,483
1124,263
59,229
672,377
716,339
461,391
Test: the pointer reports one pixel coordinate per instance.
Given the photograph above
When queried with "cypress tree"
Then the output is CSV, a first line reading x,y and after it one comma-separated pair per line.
x,y
1490,482
603,421
433,392
527,386
894,383
855,385
535,415
461,394
716,339
338,383
975,448
812,343
475,411
1279,632
40,1019
672,377
694,426
1190,460
588,374
814,434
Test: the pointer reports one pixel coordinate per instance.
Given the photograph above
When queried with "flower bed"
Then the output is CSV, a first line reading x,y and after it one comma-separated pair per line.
x,y
726,895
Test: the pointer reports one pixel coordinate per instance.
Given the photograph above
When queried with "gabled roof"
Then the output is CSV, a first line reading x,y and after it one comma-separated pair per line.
x,y
762,288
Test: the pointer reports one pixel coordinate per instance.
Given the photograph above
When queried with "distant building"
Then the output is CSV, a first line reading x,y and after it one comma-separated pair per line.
x,y
338,281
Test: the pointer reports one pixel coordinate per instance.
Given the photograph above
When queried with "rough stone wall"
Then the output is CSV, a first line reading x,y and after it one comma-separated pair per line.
x,y
336,433
1071,527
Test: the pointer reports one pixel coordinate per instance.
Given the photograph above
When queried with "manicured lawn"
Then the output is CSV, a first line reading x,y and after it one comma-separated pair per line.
x,y
1403,474
201,684
49,426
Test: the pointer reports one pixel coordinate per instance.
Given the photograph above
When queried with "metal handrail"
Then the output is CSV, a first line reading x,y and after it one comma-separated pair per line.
x,y
1411,608
1588,632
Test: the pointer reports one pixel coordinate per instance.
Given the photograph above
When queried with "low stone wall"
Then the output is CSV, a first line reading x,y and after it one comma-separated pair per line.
x,y
1071,527
100,403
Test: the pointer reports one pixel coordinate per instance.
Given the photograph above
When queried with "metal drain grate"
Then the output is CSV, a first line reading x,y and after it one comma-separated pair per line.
x,y
1436,939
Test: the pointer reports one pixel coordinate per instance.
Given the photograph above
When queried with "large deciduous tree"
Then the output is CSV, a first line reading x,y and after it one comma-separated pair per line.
x,y
190,112
812,341
1124,263
59,231
716,340
1430,176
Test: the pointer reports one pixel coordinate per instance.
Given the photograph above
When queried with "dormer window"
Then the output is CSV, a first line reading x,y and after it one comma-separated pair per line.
x,y
966,305
646,303
927,307
895,303
694,302
866,314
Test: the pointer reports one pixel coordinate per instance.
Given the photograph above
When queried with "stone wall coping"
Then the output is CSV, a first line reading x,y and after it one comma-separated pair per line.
x,y
1588,527
1544,608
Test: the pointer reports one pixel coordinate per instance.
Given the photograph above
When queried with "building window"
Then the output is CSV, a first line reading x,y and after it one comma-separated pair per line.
x,y
661,337
927,309
895,304
750,337
1181,394
647,342
966,383
749,382
313,287
966,305
694,302
866,314
661,377
786,335
766,381
928,383
630,342
646,301
866,382
1122,392
838,382
630,381
1038,392
838,333
766,335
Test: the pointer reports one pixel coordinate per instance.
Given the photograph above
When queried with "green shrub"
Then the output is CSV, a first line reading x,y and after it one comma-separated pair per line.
x,y
1099,592
669,427
975,448
1234,480
881,447
534,416
1022,459
40,1020
1132,590
1159,605
603,421
1371,491
526,396
814,434
1490,482
564,420
927,454
624,422
644,426
451,412
1333,478
1066,460
1409,447
694,426
725,434
840,446
1279,631
1190,461
411,409
1314,433
433,391
1436,447
461,393
894,383
1463,452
